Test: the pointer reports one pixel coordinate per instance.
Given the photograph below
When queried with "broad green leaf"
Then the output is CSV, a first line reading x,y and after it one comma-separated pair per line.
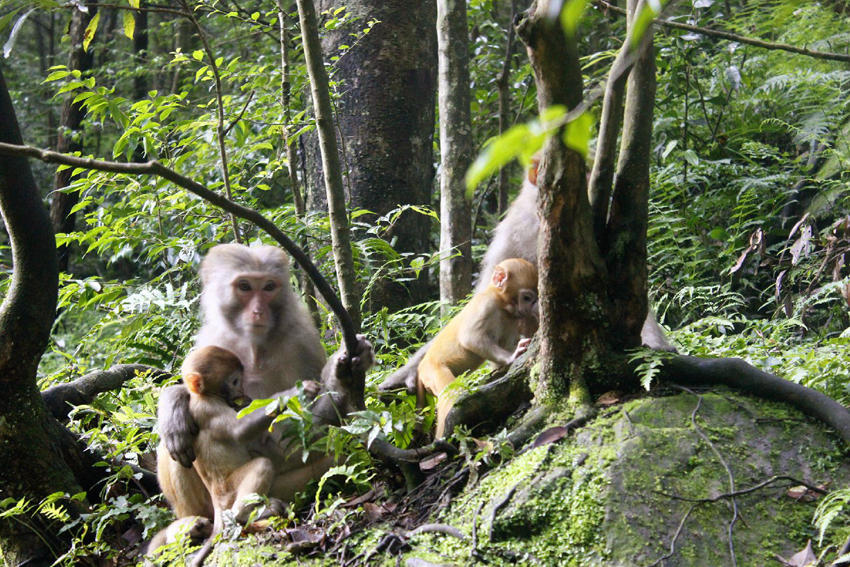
x,y
129,24
642,22
577,134
691,157
198,54
521,140
90,31
571,15
56,75
134,4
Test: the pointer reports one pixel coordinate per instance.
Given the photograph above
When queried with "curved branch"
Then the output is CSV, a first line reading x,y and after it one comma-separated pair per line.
x,y
387,451
737,373
61,398
349,331
826,55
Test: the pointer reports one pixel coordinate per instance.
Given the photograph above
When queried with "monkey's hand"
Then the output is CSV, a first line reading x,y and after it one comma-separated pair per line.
x,y
311,388
357,362
176,426
521,347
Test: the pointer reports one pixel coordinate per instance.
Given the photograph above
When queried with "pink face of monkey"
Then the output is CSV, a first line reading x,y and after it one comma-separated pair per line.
x,y
258,298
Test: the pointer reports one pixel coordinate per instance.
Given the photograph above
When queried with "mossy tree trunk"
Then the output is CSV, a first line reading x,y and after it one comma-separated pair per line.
x,y
31,447
592,256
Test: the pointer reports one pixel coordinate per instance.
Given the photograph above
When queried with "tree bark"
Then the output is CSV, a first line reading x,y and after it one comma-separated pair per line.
x,y
573,295
625,238
340,233
385,115
30,447
455,151
70,137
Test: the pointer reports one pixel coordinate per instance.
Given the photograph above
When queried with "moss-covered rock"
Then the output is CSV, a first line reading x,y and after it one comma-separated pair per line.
x,y
618,491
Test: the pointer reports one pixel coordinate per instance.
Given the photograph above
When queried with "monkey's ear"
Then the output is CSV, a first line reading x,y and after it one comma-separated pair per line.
x,y
194,382
500,277
532,170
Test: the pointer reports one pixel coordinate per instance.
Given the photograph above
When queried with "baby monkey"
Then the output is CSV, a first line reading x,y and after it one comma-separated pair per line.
x,y
487,328
213,376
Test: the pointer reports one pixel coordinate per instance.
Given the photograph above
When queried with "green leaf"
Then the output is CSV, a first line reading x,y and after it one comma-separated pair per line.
x,y
691,157
134,4
129,24
521,141
577,134
641,24
198,54
571,15
56,75
90,31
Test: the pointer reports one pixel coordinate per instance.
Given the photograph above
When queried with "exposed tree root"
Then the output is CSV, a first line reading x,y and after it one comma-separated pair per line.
x,y
736,373
62,398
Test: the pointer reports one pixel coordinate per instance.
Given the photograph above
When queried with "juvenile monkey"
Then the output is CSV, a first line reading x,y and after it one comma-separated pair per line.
x,y
487,328
515,237
213,376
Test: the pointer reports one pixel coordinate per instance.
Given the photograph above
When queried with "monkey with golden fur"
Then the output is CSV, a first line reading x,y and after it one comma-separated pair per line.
x,y
487,329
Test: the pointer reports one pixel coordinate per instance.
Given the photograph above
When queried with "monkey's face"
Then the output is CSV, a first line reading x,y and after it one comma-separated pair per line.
x,y
256,301
527,304
231,389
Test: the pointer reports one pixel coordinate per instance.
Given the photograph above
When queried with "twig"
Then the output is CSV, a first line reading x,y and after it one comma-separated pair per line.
x,y
675,537
738,38
744,491
723,462
241,114
498,506
349,331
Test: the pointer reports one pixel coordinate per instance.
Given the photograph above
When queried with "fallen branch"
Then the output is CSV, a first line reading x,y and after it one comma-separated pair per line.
x,y
61,398
349,331
386,450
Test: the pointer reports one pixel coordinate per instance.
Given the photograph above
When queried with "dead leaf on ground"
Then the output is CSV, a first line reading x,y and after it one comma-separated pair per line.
x,y
304,538
609,399
804,558
551,435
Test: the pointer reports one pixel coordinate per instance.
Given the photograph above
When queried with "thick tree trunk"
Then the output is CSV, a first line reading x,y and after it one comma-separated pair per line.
x,y
455,151
340,233
385,115
573,295
70,134
30,450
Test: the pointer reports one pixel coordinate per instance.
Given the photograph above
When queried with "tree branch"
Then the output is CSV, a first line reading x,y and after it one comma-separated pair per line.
x,y
828,56
153,167
61,398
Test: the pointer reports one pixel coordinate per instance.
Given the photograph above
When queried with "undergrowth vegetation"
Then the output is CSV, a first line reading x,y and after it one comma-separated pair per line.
x,y
749,224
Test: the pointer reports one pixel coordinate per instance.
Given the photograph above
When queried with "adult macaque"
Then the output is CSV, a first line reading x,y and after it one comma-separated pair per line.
x,y
487,328
514,237
248,308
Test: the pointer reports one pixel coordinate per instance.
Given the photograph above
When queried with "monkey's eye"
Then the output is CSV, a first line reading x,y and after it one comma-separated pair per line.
x,y
270,286
243,285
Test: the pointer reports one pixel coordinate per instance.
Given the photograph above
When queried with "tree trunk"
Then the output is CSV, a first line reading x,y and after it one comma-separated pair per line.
x,y
503,83
70,137
455,151
385,115
625,239
305,282
340,234
573,295
30,452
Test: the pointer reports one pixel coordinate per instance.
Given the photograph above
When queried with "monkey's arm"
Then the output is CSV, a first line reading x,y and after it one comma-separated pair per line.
x,y
477,334
176,426
249,427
